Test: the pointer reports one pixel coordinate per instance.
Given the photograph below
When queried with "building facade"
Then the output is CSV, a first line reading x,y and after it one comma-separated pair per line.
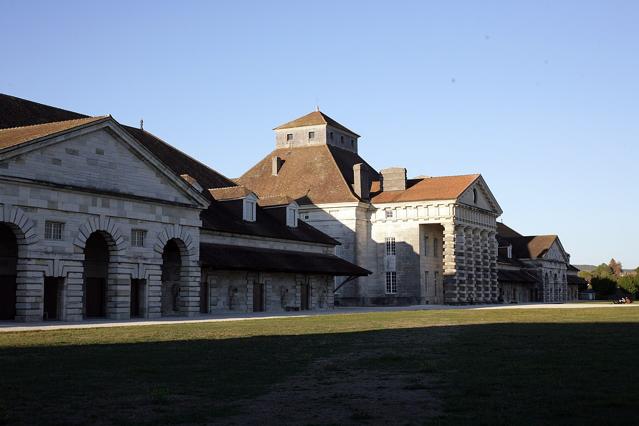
x,y
425,240
101,220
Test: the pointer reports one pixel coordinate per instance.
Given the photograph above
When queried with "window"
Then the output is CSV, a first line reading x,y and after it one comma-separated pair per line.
x,y
137,237
435,279
249,210
391,282
330,135
311,135
289,136
425,283
388,213
341,140
390,246
474,195
53,230
425,245
292,214
435,247
352,142
509,250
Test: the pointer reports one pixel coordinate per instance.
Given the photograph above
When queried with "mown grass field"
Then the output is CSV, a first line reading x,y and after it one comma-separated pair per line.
x,y
524,366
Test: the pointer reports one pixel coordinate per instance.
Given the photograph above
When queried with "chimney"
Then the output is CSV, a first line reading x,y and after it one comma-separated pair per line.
x,y
393,179
277,165
361,181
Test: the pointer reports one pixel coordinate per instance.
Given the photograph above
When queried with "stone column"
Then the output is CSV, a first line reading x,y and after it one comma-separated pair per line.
x,y
189,300
485,266
454,264
73,293
479,276
153,290
118,298
492,255
29,291
470,264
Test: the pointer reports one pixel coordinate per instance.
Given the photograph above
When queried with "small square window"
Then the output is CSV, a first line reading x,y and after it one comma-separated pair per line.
x,y
388,213
137,237
311,135
289,136
53,230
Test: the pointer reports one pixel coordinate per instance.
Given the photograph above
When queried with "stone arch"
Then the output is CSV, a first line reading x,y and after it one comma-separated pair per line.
x,y
178,233
106,227
22,226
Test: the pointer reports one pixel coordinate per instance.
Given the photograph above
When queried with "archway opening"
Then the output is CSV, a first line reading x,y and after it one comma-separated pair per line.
x,y
96,274
171,278
8,267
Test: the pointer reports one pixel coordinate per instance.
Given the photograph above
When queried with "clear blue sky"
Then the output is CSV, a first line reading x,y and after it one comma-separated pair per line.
x,y
541,97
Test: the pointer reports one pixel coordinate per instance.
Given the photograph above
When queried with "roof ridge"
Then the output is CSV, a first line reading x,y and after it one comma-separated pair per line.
x,y
187,155
341,175
97,117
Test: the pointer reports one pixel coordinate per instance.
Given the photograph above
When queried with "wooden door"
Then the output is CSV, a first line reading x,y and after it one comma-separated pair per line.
x,y
51,291
305,297
258,297
7,297
94,294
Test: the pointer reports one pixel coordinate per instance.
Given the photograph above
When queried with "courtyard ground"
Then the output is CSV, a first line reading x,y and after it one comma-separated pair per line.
x,y
455,366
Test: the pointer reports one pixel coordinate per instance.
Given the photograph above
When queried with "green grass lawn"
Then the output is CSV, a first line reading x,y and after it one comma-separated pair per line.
x,y
525,366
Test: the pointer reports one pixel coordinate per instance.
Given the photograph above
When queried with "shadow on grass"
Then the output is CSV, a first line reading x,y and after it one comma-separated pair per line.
x,y
494,373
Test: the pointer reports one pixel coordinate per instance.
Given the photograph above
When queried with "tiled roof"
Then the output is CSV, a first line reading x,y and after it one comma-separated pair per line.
x,y
229,193
530,247
279,200
227,257
432,188
314,118
227,217
14,136
506,231
17,112
314,174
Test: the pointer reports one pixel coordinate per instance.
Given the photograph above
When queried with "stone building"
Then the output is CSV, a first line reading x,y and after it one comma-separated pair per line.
x,y
534,268
98,219
426,240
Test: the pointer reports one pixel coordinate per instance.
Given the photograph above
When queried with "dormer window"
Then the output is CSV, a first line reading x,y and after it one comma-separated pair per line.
x,y
509,251
289,137
311,135
250,205
292,216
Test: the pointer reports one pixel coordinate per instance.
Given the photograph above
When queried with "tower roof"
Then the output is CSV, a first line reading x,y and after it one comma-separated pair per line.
x,y
314,118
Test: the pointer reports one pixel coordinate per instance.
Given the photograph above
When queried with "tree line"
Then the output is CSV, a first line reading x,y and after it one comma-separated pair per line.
x,y
608,279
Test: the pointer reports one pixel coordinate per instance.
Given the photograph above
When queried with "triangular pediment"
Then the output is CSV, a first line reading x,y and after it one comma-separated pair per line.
x,y
479,195
98,156
556,252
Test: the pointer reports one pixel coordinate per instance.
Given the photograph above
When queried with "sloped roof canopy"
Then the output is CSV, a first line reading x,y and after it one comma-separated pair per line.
x,y
227,257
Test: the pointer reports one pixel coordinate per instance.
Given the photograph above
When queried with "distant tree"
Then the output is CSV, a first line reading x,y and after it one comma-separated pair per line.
x,y
615,267
602,271
604,286
630,283
585,275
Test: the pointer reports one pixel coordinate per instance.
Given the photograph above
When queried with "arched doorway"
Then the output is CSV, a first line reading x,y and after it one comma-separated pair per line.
x,y
96,274
8,264
171,278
